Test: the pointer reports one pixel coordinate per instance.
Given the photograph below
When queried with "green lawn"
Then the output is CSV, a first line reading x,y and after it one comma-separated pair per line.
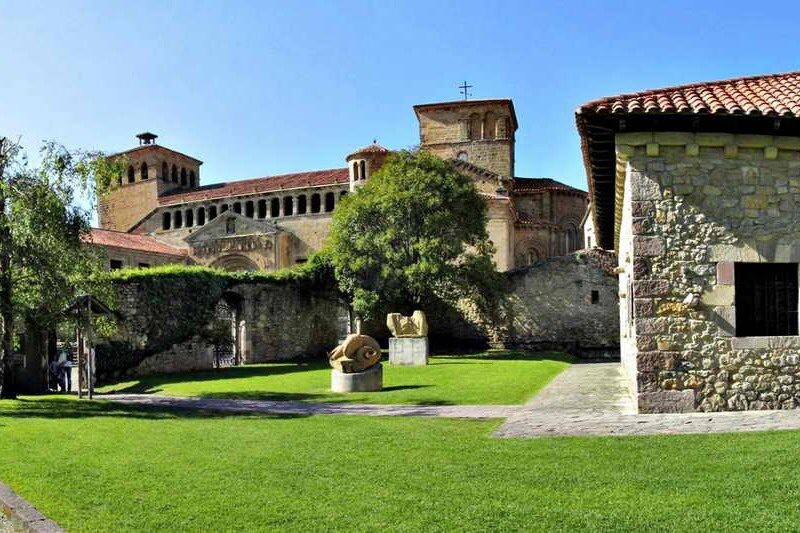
x,y
489,378
101,467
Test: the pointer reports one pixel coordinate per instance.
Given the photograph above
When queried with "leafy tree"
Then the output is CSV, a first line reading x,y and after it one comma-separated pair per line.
x,y
43,264
415,231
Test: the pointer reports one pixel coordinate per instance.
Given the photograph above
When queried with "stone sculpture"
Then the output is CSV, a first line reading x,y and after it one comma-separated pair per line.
x,y
357,353
407,326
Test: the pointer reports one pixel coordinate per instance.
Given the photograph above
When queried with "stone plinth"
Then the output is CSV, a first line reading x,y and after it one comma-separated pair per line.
x,y
369,380
408,351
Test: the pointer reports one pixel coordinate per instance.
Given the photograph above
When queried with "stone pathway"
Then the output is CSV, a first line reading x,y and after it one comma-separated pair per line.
x,y
302,408
586,399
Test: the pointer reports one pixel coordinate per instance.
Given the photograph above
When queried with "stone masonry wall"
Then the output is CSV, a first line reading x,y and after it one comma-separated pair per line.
x,y
695,204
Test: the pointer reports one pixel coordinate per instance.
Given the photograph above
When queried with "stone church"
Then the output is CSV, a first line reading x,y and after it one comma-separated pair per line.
x,y
159,212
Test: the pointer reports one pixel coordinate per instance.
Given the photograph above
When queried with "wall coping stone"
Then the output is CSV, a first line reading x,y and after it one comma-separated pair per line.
x,y
752,343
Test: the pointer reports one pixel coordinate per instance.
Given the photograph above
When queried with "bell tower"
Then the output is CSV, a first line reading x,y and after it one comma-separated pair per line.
x,y
480,132
364,161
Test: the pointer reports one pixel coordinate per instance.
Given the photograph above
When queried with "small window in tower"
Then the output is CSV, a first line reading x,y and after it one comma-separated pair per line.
x,y
288,206
131,174
174,174
183,176
192,178
230,226
249,209
595,297
355,170
363,170
330,200
274,208
212,212
166,220
262,209
237,208
302,204
144,171
164,171
315,203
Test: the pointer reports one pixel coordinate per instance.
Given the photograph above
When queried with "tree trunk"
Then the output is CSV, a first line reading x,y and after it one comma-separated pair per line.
x,y
6,310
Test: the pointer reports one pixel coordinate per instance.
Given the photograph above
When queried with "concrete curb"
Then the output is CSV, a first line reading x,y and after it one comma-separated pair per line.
x,y
23,515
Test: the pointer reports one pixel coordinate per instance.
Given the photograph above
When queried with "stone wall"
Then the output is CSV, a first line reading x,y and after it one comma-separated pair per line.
x,y
693,205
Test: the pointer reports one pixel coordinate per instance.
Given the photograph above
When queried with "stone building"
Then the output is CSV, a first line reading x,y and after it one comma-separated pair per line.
x,y
279,221
697,187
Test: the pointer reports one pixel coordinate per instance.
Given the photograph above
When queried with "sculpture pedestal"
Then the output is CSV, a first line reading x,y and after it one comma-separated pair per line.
x,y
369,380
408,351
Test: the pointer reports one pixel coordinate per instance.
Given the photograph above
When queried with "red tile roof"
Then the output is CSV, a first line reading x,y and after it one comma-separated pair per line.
x,y
142,243
771,94
523,185
315,178
373,148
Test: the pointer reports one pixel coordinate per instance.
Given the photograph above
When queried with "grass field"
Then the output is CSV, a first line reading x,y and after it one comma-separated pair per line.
x,y
101,467
487,378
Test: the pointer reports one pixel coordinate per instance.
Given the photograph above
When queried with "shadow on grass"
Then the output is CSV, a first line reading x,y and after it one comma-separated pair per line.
x,y
506,355
74,409
314,398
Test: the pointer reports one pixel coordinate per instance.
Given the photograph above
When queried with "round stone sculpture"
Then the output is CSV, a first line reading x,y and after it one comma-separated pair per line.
x,y
356,354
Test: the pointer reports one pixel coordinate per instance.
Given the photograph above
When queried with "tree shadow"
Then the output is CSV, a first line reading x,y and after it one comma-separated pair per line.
x,y
58,409
507,355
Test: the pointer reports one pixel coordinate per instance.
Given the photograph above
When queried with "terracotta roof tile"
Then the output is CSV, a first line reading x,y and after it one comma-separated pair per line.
x,y
373,148
770,95
315,178
143,243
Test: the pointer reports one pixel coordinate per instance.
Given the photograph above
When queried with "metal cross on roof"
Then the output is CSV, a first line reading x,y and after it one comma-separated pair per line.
x,y
465,90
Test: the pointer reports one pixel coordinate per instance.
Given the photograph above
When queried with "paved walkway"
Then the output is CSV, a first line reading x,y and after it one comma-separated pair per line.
x,y
303,408
586,399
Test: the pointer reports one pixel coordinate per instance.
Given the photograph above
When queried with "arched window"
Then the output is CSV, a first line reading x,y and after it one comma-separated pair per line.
x,y
475,126
164,171
315,203
288,206
363,166
131,174
183,176
274,208
192,178
189,218
249,209
531,256
223,208
144,171
330,201
302,204
178,219
166,220
355,170
489,125
237,208
212,212
262,209
174,174
201,216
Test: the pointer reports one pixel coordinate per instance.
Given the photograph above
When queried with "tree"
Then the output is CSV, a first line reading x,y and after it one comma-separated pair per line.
x,y
415,231
43,262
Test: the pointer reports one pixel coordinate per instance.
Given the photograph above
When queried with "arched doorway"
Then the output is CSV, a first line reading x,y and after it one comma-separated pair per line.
x,y
228,331
235,263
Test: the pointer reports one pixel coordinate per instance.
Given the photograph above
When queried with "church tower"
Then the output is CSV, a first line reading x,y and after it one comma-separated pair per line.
x,y
480,132
363,162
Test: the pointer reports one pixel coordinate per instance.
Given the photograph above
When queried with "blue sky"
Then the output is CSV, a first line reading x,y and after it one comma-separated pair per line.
x,y
261,88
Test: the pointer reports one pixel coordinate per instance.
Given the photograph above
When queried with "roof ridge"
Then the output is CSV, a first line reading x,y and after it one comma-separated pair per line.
x,y
693,85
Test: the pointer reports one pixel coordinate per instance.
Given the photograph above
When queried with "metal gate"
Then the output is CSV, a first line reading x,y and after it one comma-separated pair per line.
x,y
225,352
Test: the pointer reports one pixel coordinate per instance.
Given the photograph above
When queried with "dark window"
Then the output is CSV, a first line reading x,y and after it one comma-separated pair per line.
x,y
212,212
115,264
595,297
766,299
315,203
275,208
192,179
144,171
164,171
230,226
189,218
288,206
363,168
201,216
183,176
342,194
166,220
249,210
144,265
174,174
237,208
178,219
223,208
131,174
355,170
262,209
330,200
302,205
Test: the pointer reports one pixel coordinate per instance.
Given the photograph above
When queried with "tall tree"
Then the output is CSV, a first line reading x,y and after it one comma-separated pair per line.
x,y
416,230
43,262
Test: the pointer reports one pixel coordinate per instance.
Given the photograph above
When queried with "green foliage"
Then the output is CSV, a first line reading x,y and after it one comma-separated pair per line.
x,y
415,231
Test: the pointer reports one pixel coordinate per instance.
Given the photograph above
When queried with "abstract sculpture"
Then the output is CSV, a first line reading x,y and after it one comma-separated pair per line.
x,y
407,326
356,354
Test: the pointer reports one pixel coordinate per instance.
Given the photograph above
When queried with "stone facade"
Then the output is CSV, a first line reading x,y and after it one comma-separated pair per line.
x,y
693,206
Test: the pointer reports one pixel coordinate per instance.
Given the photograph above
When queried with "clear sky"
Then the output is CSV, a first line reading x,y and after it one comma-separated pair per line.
x,y
262,88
